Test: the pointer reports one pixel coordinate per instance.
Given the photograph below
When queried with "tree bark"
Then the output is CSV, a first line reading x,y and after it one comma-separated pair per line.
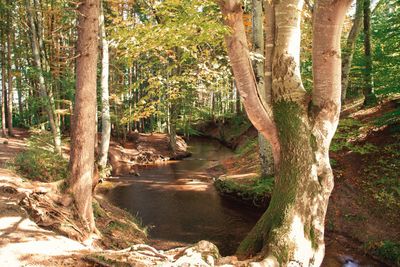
x,y
348,51
291,231
84,118
105,114
369,94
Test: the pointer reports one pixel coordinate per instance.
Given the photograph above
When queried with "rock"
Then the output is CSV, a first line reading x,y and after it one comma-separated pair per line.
x,y
203,253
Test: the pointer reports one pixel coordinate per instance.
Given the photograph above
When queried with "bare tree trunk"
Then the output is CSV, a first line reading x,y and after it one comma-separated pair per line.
x,y
10,83
84,117
42,86
105,114
291,231
369,94
348,51
265,150
3,87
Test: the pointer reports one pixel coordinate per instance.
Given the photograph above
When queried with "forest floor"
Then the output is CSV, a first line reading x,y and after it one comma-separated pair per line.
x,y
22,241
363,219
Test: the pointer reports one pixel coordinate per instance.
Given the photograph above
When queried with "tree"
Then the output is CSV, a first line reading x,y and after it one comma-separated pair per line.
x,y
36,44
10,76
83,131
3,87
348,50
267,163
368,86
298,125
105,112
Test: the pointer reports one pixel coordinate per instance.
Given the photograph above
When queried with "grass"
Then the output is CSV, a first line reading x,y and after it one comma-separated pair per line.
x,y
41,165
258,191
390,250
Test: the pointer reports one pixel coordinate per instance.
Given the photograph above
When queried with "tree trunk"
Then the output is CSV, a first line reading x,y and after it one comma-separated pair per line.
x,y
369,94
42,86
348,51
105,114
3,87
84,118
265,150
291,231
10,83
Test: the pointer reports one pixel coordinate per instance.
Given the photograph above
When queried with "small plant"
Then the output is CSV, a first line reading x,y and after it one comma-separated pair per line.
x,y
39,162
389,250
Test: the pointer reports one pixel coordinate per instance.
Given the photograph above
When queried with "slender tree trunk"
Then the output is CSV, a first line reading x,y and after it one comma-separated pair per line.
x,y
10,83
348,51
19,83
84,117
265,150
291,231
105,114
42,85
369,94
3,87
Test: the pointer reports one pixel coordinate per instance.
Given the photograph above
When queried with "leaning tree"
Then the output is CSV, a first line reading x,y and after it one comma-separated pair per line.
x,y
298,123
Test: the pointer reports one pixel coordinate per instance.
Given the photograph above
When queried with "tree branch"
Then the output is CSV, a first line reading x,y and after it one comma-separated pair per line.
x,y
259,112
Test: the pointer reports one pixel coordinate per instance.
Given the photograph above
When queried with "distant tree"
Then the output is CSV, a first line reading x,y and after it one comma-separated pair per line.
x,y
105,95
83,131
348,50
298,125
369,94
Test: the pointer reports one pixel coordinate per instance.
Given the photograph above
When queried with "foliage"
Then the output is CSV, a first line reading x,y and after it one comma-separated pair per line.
x,y
389,118
389,250
39,162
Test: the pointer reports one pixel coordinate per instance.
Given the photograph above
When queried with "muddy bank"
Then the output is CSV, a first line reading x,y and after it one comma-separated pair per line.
x,y
142,149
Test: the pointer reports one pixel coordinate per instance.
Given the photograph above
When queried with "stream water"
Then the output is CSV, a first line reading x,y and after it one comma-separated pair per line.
x,y
180,204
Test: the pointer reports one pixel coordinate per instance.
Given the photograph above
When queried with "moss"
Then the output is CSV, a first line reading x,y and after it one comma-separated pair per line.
x,y
314,243
97,210
286,114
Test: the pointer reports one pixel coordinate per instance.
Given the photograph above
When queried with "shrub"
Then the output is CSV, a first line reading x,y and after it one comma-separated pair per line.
x,y
39,162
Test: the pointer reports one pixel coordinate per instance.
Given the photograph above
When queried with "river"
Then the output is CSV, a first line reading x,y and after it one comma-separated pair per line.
x,y
180,205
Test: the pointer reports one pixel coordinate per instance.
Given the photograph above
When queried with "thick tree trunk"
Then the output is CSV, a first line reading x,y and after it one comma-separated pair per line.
x,y
348,51
84,117
369,94
291,231
105,114
265,150
42,85
10,84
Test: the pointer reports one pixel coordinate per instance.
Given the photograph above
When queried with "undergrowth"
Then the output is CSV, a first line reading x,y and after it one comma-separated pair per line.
x,y
39,162
258,191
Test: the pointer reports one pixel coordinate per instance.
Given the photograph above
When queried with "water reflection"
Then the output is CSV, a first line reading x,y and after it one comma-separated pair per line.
x,y
181,203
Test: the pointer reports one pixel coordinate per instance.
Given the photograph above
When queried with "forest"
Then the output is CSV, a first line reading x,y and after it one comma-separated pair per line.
x,y
200,133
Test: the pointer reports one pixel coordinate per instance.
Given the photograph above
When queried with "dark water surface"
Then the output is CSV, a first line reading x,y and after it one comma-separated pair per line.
x,y
179,202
